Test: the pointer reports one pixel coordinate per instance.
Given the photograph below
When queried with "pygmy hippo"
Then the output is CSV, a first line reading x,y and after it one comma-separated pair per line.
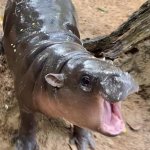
x,y
55,75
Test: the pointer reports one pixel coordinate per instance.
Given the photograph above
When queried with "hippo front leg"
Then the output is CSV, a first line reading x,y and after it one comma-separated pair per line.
x,y
83,139
25,139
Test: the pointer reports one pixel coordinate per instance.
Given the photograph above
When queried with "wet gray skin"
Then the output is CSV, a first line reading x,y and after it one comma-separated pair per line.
x,y
56,76
90,82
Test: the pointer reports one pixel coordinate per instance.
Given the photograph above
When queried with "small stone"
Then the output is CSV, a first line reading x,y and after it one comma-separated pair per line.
x,y
6,106
125,130
134,127
9,93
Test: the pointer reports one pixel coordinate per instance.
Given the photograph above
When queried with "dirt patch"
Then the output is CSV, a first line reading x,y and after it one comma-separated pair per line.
x,y
96,17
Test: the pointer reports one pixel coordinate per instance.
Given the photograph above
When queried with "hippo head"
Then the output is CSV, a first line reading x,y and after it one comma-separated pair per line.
x,y
88,94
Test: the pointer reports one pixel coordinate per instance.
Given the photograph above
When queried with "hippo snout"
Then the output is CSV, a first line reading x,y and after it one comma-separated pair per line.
x,y
116,87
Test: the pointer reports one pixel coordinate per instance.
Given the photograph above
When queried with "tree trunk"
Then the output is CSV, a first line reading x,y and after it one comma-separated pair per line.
x,y
125,38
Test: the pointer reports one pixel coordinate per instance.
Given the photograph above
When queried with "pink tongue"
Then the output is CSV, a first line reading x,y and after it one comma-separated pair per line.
x,y
112,121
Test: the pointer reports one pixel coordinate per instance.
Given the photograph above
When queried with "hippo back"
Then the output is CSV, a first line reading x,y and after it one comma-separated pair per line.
x,y
30,26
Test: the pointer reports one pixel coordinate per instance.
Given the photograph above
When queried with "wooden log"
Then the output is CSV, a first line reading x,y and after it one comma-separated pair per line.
x,y
135,30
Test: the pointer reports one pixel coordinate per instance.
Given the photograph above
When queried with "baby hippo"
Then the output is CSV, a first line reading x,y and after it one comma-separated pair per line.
x,y
55,75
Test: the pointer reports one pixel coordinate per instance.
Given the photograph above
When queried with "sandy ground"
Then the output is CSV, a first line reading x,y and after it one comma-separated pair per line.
x,y
96,17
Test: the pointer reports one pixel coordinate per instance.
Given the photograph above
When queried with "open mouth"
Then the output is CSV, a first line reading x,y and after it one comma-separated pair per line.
x,y
112,121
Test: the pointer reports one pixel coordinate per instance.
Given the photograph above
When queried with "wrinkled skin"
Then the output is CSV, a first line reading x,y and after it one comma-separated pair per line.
x,y
56,76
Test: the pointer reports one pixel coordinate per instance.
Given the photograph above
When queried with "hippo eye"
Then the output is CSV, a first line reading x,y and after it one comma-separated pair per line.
x,y
86,83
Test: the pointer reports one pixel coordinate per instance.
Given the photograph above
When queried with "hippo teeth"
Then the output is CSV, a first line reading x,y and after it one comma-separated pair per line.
x,y
112,122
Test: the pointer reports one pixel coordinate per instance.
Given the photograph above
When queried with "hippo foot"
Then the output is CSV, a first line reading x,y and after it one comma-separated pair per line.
x,y
82,139
25,142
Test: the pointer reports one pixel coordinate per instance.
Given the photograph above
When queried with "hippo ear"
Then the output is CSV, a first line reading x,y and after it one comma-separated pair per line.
x,y
55,80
